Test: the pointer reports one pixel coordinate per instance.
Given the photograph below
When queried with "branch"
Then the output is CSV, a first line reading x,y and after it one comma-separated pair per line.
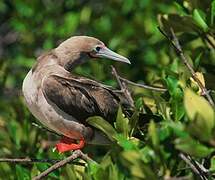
x,y
123,86
76,154
153,88
33,160
175,43
194,166
209,41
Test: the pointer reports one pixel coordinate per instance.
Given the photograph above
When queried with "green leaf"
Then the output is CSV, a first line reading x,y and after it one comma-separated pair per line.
x,y
137,171
14,130
212,12
178,23
133,122
137,167
173,87
212,167
103,125
195,105
153,134
125,143
196,130
85,14
178,128
94,167
122,125
197,60
164,132
178,110
22,173
131,156
192,147
139,103
200,21
70,172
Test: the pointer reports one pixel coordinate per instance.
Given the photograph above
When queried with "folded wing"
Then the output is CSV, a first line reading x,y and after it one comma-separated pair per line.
x,y
81,98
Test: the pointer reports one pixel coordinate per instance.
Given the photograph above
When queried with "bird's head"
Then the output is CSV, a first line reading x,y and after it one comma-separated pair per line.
x,y
78,49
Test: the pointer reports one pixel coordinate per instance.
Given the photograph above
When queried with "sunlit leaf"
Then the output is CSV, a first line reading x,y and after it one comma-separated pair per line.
x,y
125,143
195,105
122,125
212,12
153,134
212,167
195,129
192,147
178,23
133,122
200,76
103,125
199,20
22,173
197,60
85,14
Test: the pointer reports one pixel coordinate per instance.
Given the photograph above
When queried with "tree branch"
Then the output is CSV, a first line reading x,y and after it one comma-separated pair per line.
x,y
175,43
196,168
153,88
76,154
208,40
123,86
33,160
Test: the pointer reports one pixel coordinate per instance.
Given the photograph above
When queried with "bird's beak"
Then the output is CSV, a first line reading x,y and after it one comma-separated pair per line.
x,y
107,53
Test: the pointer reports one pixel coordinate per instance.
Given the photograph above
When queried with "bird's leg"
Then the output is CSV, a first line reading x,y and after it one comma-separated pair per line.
x,y
68,144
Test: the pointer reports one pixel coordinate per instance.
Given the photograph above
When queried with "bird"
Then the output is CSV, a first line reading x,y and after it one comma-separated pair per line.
x,y
62,100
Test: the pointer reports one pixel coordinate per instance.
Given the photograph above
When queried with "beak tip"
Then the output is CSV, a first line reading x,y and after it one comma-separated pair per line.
x,y
127,61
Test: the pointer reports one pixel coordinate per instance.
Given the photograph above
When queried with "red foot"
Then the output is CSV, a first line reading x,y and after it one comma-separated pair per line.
x,y
67,144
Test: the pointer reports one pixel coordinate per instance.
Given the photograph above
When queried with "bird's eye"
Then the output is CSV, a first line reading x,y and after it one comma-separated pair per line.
x,y
98,49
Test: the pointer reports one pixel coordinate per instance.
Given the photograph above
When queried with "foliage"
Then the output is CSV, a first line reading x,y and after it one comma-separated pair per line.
x,y
147,144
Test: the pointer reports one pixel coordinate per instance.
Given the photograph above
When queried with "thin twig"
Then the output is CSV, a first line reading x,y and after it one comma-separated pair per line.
x,y
196,169
123,86
200,167
76,154
119,79
209,41
153,88
33,160
175,43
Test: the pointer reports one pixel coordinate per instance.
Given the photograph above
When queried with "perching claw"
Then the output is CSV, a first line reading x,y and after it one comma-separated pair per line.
x,y
67,144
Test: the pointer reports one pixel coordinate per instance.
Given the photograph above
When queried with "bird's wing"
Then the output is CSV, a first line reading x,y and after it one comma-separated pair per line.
x,y
80,98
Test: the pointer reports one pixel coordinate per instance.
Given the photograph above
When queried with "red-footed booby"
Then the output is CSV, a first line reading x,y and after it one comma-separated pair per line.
x,y
62,101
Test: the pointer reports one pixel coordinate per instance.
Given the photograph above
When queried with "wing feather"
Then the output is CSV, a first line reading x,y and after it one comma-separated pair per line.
x,y
81,98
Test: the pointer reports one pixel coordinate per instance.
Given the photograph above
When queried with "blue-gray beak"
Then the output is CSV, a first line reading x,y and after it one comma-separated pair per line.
x,y
107,53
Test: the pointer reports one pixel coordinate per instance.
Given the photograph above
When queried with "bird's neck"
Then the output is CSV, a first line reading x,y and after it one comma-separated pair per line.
x,y
69,59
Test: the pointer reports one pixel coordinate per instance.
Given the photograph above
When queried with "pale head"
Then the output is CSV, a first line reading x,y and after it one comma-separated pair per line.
x,y
77,48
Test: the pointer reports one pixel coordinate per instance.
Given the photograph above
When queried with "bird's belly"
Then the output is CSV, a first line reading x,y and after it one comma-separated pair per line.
x,y
47,112
30,93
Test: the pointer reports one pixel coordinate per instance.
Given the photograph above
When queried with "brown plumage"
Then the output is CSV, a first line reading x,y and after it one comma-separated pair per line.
x,y
62,101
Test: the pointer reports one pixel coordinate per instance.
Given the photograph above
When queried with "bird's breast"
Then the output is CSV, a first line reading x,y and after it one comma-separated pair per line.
x,y
46,111
31,92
